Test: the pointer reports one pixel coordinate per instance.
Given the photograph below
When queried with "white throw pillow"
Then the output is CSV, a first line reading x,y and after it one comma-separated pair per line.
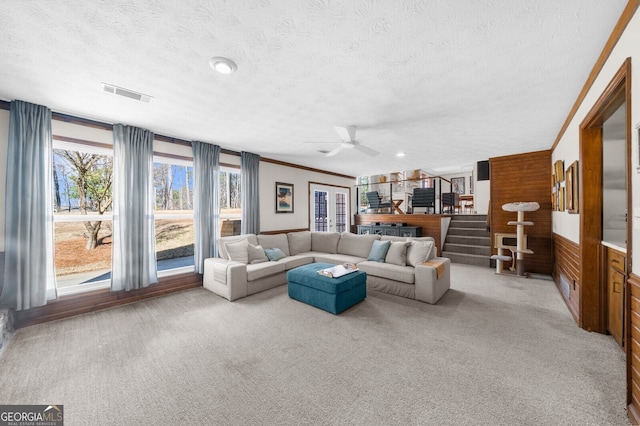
x,y
418,252
256,254
238,251
397,253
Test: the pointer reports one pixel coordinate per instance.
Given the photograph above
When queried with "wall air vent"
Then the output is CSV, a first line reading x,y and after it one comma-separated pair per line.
x,y
110,88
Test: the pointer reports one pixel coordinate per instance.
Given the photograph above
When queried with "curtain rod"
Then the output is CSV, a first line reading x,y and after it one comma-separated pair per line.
x,y
68,118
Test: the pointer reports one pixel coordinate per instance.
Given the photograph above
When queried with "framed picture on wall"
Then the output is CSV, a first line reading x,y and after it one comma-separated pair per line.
x,y
457,185
558,170
572,187
284,197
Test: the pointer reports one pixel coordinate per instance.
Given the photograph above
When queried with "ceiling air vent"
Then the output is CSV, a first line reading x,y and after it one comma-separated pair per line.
x,y
110,88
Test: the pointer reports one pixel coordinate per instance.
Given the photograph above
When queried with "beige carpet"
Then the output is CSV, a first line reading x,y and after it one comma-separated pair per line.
x,y
495,350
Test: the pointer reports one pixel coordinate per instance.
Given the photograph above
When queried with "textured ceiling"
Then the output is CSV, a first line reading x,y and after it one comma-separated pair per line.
x,y
446,82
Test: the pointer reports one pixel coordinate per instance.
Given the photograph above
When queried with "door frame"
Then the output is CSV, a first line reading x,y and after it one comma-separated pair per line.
x,y
331,187
593,296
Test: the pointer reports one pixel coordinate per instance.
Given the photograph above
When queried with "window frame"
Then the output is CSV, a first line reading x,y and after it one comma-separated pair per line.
x,y
177,160
71,144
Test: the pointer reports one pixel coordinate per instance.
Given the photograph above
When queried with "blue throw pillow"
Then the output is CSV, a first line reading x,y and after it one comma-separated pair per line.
x,y
274,254
379,251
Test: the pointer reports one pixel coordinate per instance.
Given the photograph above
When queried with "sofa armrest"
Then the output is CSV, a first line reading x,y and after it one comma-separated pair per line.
x,y
433,279
225,278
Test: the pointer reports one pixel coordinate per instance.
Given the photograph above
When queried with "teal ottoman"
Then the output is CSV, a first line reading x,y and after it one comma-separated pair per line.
x,y
330,294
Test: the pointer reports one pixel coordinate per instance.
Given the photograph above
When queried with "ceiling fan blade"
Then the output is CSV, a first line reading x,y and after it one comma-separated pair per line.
x,y
347,134
335,151
334,142
366,150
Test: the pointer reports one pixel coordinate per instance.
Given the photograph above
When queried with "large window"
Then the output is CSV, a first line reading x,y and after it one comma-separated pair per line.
x,y
173,185
82,194
230,208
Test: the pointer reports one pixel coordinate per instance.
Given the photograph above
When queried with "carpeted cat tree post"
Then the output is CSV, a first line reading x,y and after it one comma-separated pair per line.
x,y
521,245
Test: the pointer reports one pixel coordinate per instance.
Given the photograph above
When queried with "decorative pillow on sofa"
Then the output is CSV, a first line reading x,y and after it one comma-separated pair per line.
x,y
379,251
397,253
256,254
222,251
418,252
238,251
274,254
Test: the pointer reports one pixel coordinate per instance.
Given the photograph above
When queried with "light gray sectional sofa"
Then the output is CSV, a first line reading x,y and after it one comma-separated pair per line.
x,y
409,268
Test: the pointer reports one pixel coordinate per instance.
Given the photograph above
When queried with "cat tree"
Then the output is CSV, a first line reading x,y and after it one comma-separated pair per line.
x,y
502,241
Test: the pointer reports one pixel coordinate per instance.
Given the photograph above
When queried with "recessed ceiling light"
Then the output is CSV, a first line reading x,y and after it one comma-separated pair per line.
x,y
223,65
400,154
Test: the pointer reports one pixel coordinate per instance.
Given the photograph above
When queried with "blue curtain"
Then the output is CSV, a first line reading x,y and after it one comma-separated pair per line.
x,y
133,255
206,204
250,187
29,279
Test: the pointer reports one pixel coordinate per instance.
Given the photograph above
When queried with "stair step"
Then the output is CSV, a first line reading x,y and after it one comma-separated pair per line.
x,y
465,239
468,259
468,232
467,249
468,224
470,218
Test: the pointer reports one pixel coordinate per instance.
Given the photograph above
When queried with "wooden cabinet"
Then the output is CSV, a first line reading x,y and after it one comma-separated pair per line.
x,y
395,231
616,280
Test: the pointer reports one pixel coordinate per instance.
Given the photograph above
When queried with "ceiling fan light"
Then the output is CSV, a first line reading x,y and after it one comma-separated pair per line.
x,y
223,65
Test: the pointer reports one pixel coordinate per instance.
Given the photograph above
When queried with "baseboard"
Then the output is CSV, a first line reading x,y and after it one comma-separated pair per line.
x,y
634,418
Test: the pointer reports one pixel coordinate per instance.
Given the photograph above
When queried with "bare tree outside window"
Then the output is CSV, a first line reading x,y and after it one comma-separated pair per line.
x,y
86,183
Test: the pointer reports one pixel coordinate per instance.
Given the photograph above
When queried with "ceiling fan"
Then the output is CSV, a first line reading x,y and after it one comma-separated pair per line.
x,y
348,136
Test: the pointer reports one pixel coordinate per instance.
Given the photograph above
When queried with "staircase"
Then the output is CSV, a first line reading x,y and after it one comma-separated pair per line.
x,y
468,240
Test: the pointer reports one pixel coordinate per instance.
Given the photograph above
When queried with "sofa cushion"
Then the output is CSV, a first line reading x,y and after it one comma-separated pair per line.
x,y
338,259
237,251
299,242
261,270
256,254
379,251
275,241
433,251
397,253
274,254
222,252
405,274
325,242
291,262
356,245
419,251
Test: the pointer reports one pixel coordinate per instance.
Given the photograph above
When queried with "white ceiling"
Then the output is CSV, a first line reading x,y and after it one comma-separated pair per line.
x,y
447,82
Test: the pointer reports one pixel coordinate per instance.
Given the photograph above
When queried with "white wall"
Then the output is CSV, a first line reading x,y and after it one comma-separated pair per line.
x,y
568,225
271,173
4,139
481,194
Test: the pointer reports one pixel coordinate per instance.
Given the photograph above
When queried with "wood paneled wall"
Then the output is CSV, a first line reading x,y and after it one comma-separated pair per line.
x,y
430,223
524,178
566,272
632,336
